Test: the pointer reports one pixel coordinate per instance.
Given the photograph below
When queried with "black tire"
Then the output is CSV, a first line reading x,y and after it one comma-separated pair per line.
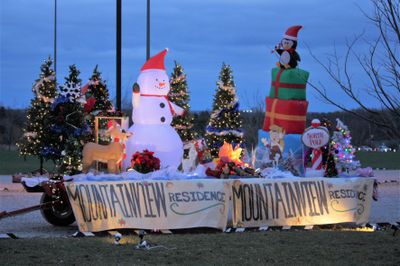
x,y
57,214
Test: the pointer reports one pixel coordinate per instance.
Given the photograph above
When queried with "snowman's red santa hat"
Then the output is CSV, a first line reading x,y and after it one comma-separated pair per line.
x,y
155,62
292,32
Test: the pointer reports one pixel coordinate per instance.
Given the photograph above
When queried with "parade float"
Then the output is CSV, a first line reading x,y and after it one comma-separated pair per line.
x,y
143,187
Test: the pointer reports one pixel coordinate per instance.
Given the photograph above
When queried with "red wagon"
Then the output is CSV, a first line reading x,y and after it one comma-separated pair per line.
x,y
54,204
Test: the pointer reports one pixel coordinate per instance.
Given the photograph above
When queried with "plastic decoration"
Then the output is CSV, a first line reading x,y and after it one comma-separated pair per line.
x,y
152,114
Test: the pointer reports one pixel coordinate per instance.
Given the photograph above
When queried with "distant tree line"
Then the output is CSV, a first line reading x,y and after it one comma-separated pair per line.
x,y
363,133
12,122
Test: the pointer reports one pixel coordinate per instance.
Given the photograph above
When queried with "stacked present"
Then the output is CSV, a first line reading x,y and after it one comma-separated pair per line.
x,y
286,104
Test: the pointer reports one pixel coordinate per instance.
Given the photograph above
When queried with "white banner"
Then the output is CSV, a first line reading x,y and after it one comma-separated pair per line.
x,y
301,201
174,204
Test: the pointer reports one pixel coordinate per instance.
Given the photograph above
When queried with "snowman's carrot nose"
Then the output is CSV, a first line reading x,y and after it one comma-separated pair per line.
x,y
161,84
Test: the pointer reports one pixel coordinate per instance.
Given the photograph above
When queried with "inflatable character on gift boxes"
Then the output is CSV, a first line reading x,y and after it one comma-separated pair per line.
x,y
286,106
152,114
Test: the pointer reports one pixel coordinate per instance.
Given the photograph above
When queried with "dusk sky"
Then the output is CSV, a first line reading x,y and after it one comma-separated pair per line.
x,y
201,34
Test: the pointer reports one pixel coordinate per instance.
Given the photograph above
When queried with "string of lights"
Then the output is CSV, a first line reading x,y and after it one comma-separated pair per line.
x,y
179,94
343,150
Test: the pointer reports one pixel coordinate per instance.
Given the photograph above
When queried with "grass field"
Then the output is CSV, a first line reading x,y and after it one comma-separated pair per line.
x,y
388,160
11,162
250,248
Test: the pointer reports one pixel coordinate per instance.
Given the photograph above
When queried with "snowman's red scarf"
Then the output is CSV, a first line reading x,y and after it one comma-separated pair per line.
x,y
164,96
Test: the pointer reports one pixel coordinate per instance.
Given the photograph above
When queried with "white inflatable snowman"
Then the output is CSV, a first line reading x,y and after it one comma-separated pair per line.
x,y
152,116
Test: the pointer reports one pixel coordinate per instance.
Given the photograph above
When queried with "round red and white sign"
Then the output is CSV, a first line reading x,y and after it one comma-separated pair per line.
x,y
315,137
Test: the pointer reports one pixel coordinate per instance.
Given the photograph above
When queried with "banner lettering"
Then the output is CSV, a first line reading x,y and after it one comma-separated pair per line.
x,y
304,201
102,206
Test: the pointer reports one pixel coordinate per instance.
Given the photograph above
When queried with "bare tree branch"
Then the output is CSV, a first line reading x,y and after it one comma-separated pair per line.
x,y
380,65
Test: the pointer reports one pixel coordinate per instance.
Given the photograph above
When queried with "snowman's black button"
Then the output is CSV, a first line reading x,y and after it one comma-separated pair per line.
x,y
162,119
162,105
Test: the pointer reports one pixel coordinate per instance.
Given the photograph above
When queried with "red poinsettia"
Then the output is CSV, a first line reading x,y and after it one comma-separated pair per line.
x,y
145,162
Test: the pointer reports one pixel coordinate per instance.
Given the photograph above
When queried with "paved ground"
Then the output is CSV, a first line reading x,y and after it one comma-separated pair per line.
x,y
386,209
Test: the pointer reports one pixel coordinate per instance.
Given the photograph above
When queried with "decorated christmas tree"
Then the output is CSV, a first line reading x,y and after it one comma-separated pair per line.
x,y
71,89
225,122
69,124
35,140
179,95
97,96
97,101
343,150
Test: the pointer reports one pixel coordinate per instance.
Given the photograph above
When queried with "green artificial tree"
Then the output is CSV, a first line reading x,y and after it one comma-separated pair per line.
x,y
97,100
179,94
225,122
97,95
35,140
69,124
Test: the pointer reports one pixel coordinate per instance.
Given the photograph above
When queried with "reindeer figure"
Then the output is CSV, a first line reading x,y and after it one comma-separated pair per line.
x,y
112,154
116,133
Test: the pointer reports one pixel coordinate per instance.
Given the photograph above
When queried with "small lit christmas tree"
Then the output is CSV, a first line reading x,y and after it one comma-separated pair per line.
x,y
69,124
328,158
225,122
330,170
343,150
179,95
35,140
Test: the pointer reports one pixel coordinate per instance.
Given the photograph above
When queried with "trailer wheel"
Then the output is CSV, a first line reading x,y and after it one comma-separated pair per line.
x,y
57,214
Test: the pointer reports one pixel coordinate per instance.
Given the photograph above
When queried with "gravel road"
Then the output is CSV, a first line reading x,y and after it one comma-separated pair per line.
x,y
13,196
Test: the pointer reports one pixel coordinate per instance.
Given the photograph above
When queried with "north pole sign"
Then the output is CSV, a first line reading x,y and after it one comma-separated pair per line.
x,y
315,136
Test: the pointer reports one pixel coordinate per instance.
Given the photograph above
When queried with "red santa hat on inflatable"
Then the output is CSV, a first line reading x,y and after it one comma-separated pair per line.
x,y
292,32
155,62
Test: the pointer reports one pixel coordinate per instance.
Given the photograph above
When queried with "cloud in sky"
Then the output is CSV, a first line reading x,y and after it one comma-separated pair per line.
x,y
201,34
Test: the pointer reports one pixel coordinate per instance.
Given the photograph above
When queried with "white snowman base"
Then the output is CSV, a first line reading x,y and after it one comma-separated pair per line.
x,y
160,139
